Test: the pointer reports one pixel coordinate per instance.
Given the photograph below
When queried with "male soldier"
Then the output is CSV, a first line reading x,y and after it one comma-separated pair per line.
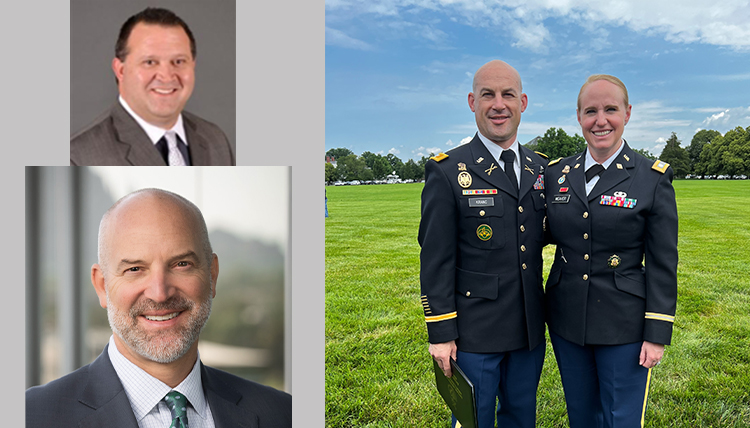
x,y
482,233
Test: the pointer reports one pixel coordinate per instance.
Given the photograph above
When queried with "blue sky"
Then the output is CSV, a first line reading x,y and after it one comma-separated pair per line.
x,y
398,72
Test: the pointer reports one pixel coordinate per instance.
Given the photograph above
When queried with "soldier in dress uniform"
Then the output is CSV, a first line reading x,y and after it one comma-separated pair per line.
x,y
481,233
609,316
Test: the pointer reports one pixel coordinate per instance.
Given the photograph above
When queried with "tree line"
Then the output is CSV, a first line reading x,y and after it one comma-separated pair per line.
x,y
709,154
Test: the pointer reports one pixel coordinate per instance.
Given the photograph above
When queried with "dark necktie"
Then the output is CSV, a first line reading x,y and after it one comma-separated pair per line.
x,y
508,156
593,172
163,148
177,404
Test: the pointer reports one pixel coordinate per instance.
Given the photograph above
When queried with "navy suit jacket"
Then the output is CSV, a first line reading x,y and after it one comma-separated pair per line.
x,y
93,397
116,139
481,258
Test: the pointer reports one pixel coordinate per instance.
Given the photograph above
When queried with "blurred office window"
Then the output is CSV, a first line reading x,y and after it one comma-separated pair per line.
x,y
247,211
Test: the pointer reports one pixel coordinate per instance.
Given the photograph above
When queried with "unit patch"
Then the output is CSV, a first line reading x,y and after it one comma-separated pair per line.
x,y
484,232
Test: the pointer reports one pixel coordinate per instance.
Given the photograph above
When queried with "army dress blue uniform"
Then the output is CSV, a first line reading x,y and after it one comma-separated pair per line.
x,y
601,301
481,274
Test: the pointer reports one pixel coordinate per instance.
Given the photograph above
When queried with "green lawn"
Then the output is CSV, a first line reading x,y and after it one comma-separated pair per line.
x,y
378,371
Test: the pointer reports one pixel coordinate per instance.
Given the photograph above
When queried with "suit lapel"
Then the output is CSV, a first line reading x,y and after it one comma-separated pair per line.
x,y
224,400
487,168
530,170
575,178
104,393
615,174
198,146
134,144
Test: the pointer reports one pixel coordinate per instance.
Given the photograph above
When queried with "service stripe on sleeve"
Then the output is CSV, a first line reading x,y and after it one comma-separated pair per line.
x,y
660,317
443,317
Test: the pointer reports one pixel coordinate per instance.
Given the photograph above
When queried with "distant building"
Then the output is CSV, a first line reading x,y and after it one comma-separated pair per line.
x,y
331,160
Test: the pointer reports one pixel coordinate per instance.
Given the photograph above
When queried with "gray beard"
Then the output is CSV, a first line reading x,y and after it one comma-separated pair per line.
x,y
164,346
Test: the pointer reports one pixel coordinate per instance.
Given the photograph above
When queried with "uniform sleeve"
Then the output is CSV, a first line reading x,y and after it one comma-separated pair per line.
x,y
437,237
661,263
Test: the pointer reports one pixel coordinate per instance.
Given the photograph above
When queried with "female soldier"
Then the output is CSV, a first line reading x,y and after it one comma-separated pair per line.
x,y
609,316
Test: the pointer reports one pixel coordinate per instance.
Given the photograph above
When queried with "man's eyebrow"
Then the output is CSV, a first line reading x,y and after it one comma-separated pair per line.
x,y
126,262
190,254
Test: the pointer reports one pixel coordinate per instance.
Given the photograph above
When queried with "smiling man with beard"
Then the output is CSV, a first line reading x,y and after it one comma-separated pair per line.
x,y
154,66
156,277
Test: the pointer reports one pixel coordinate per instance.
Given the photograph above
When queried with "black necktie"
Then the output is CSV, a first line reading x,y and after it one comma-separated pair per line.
x,y
508,156
593,172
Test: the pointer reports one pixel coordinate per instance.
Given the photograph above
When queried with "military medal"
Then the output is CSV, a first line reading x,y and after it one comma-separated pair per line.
x,y
566,169
614,261
539,184
561,180
484,232
479,192
490,169
464,179
618,200
461,166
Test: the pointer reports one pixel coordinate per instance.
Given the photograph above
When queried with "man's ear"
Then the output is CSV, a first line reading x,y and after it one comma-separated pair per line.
x,y
214,274
117,67
97,279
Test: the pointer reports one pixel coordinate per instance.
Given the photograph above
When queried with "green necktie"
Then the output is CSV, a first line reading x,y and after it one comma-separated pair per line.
x,y
178,406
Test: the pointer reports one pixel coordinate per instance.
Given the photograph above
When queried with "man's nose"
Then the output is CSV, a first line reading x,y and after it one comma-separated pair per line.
x,y
159,286
165,71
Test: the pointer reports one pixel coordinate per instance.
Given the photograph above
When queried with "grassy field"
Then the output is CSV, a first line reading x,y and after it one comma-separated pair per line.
x,y
378,371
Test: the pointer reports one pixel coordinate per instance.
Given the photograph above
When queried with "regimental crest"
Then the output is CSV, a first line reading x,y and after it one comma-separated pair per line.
x,y
464,179
461,166
484,232
614,261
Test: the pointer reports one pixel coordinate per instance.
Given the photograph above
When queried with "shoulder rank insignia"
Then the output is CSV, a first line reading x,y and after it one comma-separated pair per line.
x,y
660,166
440,157
541,154
554,161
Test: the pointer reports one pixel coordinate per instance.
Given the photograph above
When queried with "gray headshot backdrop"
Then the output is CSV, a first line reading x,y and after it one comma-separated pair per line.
x,y
94,27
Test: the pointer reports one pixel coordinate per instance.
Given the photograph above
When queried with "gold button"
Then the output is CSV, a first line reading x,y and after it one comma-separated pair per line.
x,y
523,248
523,266
468,293
585,277
585,256
542,195
481,213
585,236
523,229
586,214
520,209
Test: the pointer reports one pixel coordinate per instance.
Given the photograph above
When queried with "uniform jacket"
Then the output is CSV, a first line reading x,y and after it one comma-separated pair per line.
x,y
115,138
598,291
93,397
481,262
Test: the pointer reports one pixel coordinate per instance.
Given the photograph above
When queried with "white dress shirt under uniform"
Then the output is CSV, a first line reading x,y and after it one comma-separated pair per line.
x,y
496,151
591,162
146,393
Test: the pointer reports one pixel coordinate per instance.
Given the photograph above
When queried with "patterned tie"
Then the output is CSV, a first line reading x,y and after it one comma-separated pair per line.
x,y
178,406
509,156
175,157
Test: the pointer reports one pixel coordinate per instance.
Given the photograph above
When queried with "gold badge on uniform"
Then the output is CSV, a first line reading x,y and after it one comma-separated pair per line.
x,y
614,261
490,169
627,158
577,165
464,179
619,166
461,166
566,169
526,168
480,159
484,232
561,180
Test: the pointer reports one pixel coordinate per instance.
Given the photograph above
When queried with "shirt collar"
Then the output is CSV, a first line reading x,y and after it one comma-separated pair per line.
x,y
154,132
590,160
495,150
145,391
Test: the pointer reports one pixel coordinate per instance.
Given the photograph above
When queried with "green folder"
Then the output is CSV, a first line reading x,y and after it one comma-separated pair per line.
x,y
458,393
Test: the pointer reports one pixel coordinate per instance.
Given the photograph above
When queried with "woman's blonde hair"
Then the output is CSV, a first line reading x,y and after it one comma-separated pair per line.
x,y
612,79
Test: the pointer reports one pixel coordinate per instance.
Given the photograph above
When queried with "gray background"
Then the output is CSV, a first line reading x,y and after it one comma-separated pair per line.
x,y
94,27
281,49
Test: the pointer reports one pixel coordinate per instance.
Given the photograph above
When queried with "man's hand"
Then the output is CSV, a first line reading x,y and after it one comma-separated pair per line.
x,y
651,354
442,353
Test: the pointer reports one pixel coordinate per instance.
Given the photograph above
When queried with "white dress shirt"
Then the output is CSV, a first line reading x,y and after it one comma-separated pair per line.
x,y
496,151
154,132
589,162
146,393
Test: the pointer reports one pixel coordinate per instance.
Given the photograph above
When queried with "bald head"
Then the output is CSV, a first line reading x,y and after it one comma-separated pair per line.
x,y
153,206
496,68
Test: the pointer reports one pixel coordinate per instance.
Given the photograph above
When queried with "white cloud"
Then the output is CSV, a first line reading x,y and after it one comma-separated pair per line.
x,y
394,151
426,151
339,38
450,143
720,118
466,140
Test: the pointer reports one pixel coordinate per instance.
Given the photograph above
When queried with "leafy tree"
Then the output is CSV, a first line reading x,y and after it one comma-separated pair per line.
x,y
370,158
700,139
557,144
350,168
646,153
729,155
338,153
411,171
331,173
381,168
395,162
676,156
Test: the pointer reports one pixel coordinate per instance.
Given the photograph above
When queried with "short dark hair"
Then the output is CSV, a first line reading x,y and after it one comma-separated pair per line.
x,y
150,15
